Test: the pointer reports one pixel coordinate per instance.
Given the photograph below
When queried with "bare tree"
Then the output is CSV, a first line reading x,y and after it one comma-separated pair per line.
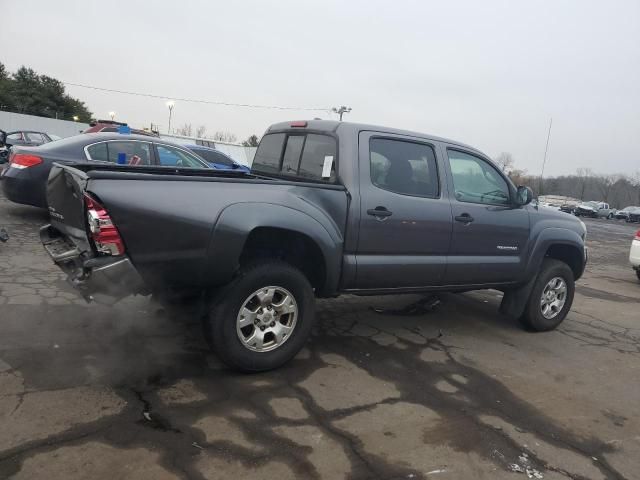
x,y
505,162
604,185
200,131
221,136
584,176
252,141
519,177
186,130
635,181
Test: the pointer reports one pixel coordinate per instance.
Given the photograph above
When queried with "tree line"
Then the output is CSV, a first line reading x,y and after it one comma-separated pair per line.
x,y
187,130
618,190
25,91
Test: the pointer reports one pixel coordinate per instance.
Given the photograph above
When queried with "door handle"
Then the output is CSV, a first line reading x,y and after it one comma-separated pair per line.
x,y
381,213
464,218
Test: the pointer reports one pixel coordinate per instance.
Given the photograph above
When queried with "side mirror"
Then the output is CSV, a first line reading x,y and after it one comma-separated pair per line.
x,y
524,195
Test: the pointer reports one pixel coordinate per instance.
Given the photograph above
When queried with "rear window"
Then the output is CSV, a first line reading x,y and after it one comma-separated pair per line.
x,y
308,156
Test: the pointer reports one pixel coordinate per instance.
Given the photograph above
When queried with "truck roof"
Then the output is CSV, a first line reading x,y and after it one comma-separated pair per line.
x,y
333,125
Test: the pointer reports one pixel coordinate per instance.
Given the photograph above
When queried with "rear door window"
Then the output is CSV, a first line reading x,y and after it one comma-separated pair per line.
x,y
403,167
34,137
129,153
98,151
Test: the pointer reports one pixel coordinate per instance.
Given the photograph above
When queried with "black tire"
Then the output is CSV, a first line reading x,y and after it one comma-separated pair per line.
x,y
533,319
638,274
220,325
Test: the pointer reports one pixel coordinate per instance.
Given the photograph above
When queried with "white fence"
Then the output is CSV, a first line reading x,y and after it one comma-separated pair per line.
x,y
239,153
10,121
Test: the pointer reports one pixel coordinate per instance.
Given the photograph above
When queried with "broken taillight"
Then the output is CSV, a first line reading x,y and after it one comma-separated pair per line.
x,y
104,233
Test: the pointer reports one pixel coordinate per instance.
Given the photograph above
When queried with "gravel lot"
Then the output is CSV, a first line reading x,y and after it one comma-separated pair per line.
x,y
461,392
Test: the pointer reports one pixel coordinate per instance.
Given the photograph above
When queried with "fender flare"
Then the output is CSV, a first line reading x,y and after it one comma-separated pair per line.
x,y
236,222
549,237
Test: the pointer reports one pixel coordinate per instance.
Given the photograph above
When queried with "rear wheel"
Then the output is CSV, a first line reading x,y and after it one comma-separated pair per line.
x,y
551,297
262,318
638,274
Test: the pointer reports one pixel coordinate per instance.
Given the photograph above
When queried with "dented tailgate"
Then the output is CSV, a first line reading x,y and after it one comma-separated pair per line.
x,y
65,195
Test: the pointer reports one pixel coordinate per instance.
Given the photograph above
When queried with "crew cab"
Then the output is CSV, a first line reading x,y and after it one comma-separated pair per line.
x,y
328,208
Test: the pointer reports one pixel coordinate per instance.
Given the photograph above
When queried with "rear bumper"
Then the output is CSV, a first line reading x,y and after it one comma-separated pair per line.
x,y
20,187
100,279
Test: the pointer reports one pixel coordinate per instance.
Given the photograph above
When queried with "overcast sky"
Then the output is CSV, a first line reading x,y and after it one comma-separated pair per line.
x,y
487,73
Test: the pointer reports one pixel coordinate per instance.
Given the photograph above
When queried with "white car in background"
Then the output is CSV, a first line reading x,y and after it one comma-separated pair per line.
x,y
634,254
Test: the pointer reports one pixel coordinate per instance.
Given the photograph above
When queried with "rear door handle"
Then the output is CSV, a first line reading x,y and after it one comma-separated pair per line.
x,y
464,218
380,213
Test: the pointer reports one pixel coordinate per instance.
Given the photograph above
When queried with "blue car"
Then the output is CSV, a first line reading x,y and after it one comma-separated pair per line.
x,y
217,159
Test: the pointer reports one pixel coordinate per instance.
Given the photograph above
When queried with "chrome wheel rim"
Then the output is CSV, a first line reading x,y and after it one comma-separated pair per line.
x,y
554,296
266,319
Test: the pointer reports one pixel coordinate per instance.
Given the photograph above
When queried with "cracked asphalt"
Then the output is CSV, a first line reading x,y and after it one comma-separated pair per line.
x,y
131,391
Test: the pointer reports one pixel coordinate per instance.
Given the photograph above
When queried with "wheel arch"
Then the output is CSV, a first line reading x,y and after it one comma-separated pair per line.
x,y
246,231
561,244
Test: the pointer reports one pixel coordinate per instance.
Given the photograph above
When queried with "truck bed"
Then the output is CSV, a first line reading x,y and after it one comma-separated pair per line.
x,y
178,225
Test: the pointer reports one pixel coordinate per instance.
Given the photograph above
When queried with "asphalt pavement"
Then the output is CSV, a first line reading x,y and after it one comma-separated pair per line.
x,y
384,389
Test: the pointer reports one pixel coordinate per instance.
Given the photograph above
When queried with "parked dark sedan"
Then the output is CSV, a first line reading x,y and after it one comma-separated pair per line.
x,y
25,178
217,159
27,138
634,215
625,212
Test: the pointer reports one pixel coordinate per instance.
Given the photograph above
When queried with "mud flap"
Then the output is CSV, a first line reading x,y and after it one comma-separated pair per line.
x,y
515,300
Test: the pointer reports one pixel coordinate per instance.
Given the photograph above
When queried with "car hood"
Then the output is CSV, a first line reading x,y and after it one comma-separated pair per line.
x,y
587,207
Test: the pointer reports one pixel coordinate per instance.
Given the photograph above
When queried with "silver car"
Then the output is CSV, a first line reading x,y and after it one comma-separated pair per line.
x,y
594,210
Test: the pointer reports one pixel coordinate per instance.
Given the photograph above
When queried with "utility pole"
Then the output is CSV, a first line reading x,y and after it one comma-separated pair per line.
x,y
170,104
544,161
341,111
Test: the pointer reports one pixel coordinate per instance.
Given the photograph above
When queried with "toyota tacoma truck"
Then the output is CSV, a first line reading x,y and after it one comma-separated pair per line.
x,y
328,208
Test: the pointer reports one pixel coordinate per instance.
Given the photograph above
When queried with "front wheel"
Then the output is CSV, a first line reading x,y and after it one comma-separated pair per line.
x,y
262,318
551,297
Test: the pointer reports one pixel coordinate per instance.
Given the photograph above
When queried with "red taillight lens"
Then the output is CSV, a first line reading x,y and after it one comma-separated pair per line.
x,y
637,237
24,160
104,233
299,123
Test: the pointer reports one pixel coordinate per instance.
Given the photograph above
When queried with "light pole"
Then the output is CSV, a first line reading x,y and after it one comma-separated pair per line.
x,y
112,115
341,111
170,104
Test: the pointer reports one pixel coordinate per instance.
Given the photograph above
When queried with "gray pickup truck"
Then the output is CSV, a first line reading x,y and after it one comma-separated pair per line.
x,y
328,208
